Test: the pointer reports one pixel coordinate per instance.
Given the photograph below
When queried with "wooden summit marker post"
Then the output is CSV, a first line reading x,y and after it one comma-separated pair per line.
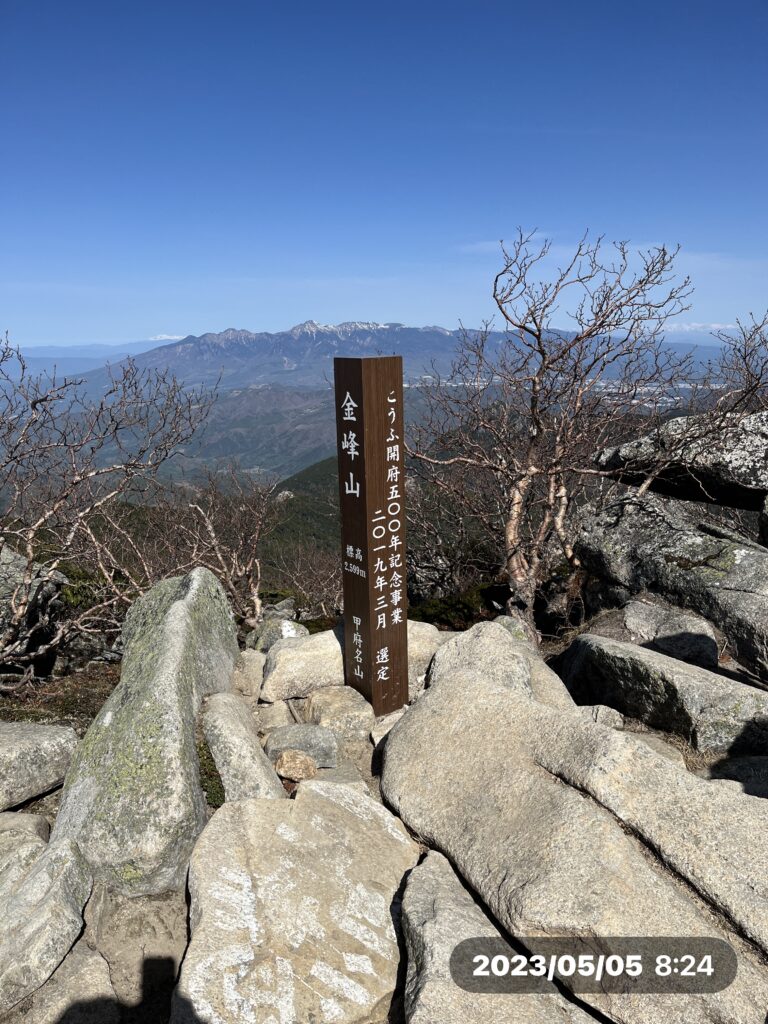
x,y
370,436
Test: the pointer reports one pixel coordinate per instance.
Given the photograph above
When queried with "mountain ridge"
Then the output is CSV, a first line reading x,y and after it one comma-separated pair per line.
x,y
302,356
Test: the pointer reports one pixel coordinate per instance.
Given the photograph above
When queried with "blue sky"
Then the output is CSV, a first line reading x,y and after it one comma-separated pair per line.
x,y
173,168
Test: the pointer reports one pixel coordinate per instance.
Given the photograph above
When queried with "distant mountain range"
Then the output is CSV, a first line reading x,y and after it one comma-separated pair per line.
x,y
274,410
300,357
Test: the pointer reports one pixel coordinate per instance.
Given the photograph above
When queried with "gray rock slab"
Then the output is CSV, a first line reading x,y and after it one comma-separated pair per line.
x,y
342,710
233,739
710,711
40,918
731,469
564,828
291,910
296,667
423,640
132,797
672,631
651,543
319,743
486,649
438,914
78,992
33,759
273,629
249,673
18,821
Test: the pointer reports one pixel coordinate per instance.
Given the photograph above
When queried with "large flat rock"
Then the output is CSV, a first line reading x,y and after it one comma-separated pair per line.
x,y
712,712
40,918
292,911
565,828
132,797
652,543
33,759
654,624
731,469
438,914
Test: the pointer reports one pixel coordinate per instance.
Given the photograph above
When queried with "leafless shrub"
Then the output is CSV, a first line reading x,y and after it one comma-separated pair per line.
x,y
312,574
510,436
66,458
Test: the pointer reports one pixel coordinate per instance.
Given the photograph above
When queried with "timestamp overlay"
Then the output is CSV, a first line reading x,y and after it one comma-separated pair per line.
x,y
652,965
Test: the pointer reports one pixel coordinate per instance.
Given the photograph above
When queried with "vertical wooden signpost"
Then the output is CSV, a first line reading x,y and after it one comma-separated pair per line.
x,y
370,435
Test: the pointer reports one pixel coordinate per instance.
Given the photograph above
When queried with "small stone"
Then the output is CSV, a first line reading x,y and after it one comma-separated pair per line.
x,y
319,743
295,766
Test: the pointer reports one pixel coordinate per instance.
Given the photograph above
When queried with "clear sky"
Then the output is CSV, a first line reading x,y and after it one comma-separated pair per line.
x,y
177,167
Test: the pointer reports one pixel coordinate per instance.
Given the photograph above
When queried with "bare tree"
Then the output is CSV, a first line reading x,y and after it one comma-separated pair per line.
x,y
219,523
451,545
742,368
313,574
225,530
512,433
65,459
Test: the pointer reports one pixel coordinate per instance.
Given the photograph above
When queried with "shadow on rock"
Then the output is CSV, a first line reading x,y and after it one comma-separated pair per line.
x,y
749,770
158,981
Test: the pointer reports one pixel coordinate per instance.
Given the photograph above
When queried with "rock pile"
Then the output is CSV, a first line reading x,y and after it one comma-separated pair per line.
x,y
622,795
